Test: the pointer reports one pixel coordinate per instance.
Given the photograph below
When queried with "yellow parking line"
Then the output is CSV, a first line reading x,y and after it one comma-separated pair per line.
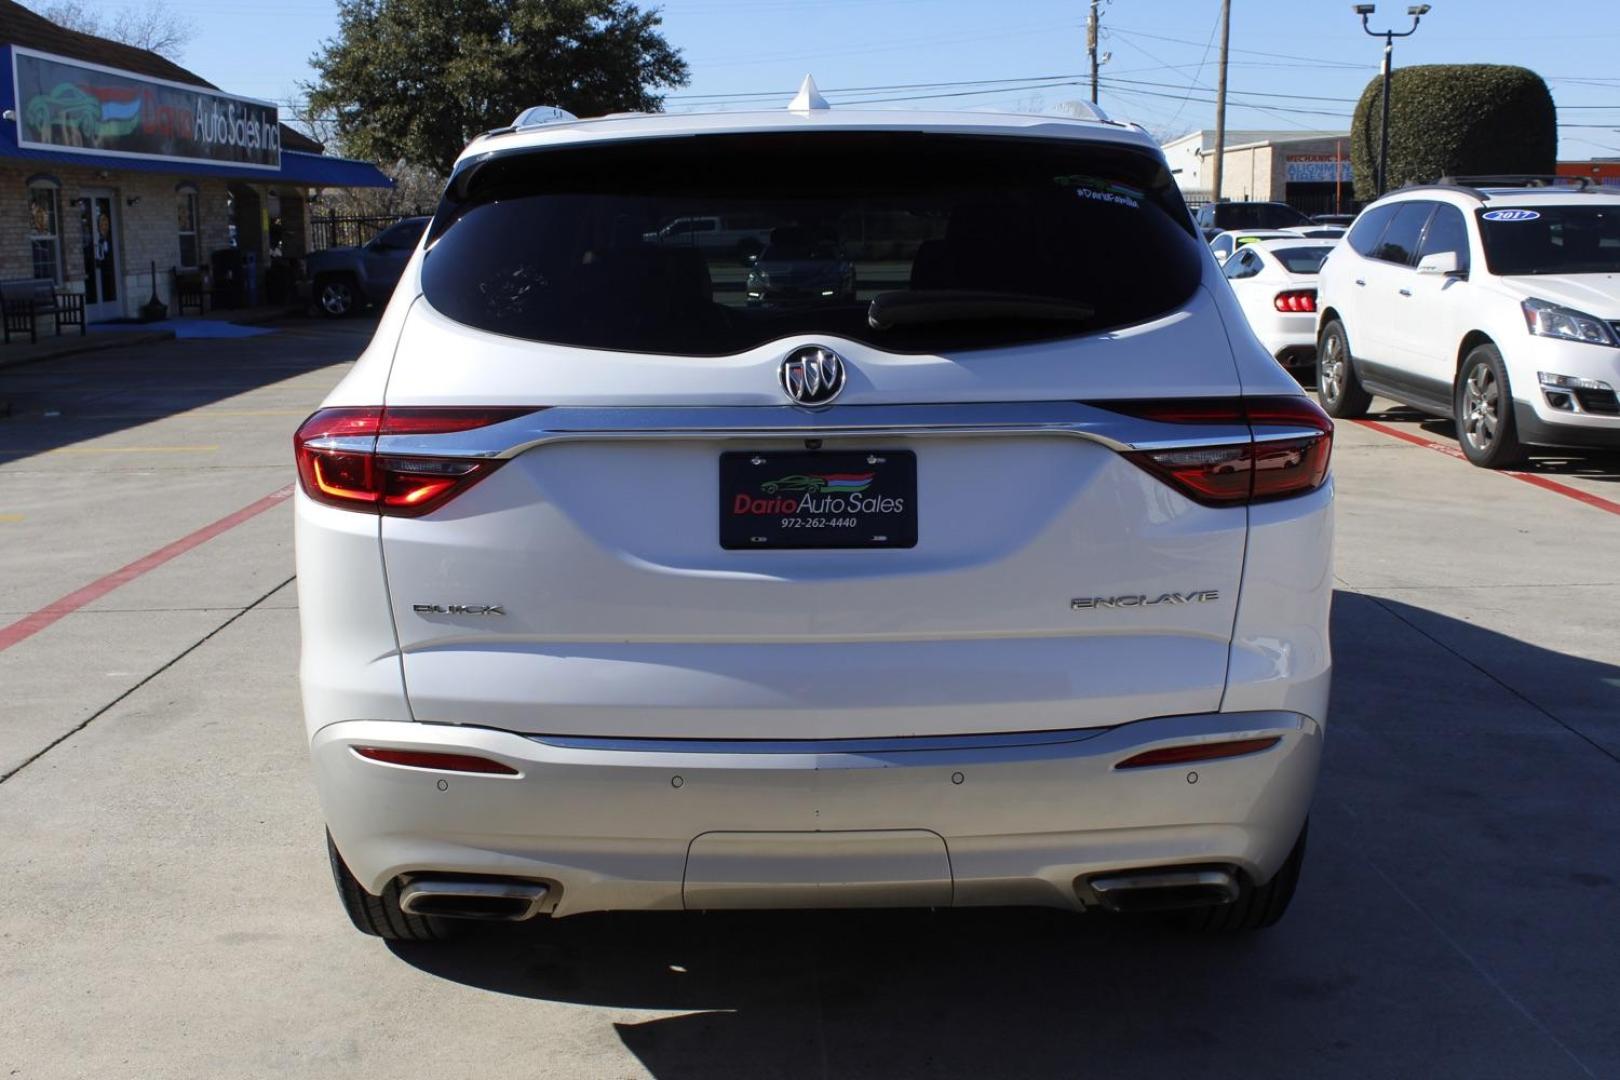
x,y
10,519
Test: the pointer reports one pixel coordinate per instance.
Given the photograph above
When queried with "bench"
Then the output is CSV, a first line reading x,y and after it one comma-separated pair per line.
x,y
23,301
190,290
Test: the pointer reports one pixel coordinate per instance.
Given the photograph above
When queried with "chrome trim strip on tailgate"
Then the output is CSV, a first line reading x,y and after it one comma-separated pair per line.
x,y
1146,732
577,424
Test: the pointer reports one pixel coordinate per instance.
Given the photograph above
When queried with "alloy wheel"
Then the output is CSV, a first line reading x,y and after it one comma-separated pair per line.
x,y
1331,374
1481,411
336,298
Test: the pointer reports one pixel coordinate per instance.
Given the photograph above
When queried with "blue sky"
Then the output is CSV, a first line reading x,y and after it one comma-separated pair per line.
x,y
1162,65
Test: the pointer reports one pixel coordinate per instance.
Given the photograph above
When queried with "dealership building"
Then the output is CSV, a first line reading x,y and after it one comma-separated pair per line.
x,y
123,174
1309,170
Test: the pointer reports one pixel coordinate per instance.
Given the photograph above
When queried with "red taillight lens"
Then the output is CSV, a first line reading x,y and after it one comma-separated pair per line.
x,y
1268,465
338,463
1210,751
425,759
1296,300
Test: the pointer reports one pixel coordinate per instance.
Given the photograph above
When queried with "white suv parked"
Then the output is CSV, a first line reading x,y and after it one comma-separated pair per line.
x,y
1497,306
1002,578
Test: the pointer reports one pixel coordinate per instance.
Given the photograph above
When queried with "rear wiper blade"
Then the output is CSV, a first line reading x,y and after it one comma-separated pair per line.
x,y
915,307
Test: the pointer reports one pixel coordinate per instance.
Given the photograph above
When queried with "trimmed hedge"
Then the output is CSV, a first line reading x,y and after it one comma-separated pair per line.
x,y
1455,119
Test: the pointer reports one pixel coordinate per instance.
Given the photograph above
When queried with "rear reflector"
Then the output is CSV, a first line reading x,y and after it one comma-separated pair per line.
x,y
338,464
424,759
1210,751
1226,472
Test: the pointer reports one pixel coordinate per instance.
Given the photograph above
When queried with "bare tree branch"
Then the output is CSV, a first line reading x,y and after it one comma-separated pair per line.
x,y
149,25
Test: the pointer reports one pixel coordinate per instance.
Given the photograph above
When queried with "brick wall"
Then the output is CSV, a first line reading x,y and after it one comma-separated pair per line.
x,y
147,226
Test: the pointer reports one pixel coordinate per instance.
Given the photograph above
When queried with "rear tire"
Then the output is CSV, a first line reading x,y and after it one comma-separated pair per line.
x,y
1257,906
1483,407
1341,391
381,916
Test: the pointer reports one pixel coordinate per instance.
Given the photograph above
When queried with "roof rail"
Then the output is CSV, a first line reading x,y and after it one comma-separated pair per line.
x,y
1524,180
1445,183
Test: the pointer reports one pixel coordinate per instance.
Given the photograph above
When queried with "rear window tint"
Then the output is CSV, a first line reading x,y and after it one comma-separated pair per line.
x,y
1258,216
1400,241
712,245
1369,227
1303,260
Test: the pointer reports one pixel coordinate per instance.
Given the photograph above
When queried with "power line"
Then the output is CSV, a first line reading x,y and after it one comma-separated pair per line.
x,y
1313,60
1199,71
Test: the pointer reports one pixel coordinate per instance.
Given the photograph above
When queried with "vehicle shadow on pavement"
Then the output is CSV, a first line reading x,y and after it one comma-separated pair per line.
x,y
983,993
77,398
1591,464
1425,915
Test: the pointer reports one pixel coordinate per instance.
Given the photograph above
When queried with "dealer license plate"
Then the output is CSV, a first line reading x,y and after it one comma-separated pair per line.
x,y
819,499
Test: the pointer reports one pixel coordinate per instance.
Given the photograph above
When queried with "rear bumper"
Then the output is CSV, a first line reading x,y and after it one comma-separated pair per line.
x,y
966,820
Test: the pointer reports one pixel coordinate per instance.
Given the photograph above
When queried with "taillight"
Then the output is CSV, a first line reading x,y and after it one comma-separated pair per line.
x,y
1296,300
338,462
1209,751
1279,459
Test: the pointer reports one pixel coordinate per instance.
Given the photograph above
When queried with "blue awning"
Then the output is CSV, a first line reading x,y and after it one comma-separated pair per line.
x,y
297,169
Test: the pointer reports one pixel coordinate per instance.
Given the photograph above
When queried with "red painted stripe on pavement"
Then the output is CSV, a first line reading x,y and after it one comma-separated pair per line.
x,y
1597,502
31,624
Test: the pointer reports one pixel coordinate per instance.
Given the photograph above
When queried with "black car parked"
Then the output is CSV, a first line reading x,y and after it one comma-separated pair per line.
x,y
1216,218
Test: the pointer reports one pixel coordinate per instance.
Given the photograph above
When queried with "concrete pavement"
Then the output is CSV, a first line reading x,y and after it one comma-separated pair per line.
x,y
170,914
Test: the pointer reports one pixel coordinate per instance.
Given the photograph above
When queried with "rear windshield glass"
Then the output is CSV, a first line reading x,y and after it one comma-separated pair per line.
x,y
1302,260
713,245
1258,216
1552,240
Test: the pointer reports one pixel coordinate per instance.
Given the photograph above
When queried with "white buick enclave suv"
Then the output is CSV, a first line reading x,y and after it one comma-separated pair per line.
x,y
1000,578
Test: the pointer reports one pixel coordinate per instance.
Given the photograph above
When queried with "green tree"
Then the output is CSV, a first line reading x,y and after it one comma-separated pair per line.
x,y
1455,120
416,80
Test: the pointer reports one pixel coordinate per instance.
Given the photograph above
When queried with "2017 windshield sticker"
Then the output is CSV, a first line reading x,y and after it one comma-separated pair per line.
x,y
1510,215
1097,189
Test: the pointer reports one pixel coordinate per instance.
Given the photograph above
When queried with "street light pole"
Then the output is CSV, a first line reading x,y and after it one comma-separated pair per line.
x,y
1417,11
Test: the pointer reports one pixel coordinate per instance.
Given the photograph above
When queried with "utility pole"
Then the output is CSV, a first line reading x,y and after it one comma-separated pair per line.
x,y
1416,11
1091,47
1220,102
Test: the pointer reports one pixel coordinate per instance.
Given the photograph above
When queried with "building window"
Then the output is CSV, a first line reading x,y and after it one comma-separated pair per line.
x,y
186,204
44,233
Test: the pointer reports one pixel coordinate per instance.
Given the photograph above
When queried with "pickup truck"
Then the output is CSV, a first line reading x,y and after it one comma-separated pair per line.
x,y
712,234
342,280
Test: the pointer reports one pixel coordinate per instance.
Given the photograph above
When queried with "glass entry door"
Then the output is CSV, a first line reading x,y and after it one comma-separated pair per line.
x,y
99,230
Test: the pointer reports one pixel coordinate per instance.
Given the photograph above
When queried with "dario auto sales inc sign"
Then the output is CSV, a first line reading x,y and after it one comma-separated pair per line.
x,y
85,108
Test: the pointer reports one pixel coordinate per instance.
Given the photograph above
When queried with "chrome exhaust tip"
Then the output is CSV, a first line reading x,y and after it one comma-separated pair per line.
x,y
501,901
1166,889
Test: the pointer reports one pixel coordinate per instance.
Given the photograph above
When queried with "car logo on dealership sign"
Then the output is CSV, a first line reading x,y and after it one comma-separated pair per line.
x,y
812,376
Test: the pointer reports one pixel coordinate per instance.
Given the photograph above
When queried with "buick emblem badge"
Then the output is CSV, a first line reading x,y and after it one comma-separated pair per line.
x,y
812,376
